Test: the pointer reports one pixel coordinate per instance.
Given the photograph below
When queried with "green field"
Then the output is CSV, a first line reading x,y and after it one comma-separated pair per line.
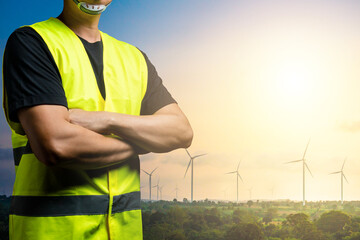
x,y
254,220
286,220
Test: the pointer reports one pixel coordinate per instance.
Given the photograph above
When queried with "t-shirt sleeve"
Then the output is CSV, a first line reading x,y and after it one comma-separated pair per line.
x,y
31,76
156,96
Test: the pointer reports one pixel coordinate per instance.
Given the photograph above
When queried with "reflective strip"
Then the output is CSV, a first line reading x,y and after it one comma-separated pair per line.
x,y
52,206
20,151
126,202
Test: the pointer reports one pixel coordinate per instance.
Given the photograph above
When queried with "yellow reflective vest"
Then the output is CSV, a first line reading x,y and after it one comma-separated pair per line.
x,y
59,203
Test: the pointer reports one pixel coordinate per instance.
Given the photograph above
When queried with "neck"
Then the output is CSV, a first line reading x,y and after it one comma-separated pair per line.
x,y
82,24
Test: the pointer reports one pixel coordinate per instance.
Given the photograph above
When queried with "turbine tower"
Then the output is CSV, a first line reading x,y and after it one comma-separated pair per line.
x,y
342,176
176,191
160,189
304,166
272,192
157,189
150,174
237,180
191,162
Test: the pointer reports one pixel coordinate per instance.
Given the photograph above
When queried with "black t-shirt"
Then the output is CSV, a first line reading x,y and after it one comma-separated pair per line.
x,y
31,76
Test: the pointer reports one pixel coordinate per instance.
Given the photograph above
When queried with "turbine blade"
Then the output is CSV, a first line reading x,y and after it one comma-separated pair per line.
x,y
187,168
238,166
293,161
345,178
153,170
306,148
188,153
145,172
343,164
309,170
199,155
231,172
334,172
240,177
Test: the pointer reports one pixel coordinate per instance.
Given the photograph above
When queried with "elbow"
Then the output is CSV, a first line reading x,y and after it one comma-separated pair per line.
x,y
187,137
181,139
184,137
54,154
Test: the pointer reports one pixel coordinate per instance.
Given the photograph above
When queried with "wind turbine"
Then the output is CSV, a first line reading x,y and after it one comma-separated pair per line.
x,y
272,192
237,180
176,191
304,166
150,174
342,176
160,189
157,189
191,162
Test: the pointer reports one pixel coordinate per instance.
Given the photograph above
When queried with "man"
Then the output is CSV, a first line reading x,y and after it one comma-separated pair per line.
x,y
82,105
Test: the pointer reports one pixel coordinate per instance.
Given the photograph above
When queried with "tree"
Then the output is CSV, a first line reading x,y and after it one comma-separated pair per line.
x,y
333,221
353,236
349,208
196,221
156,217
176,216
300,227
176,236
156,232
250,203
245,231
269,215
210,234
212,217
242,216
296,219
269,229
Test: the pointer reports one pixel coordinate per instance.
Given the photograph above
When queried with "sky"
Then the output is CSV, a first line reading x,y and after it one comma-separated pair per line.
x,y
257,79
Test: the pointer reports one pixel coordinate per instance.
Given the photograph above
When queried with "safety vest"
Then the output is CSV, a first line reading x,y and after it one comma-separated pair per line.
x,y
58,203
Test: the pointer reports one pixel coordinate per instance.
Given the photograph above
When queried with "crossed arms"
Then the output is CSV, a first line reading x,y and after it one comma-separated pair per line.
x,y
75,138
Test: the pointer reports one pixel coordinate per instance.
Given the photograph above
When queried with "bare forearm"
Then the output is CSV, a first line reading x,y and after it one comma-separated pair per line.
x,y
163,131
81,148
57,142
156,133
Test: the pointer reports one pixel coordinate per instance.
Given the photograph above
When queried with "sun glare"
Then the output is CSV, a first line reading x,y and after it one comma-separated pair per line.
x,y
293,82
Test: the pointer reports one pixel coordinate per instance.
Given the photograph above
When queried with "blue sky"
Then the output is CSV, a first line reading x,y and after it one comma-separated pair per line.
x,y
255,78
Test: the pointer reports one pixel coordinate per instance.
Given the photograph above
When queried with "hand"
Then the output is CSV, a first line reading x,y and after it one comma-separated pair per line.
x,y
92,120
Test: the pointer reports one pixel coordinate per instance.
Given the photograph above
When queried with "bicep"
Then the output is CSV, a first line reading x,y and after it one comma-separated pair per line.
x,y
44,125
170,109
173,111
43,119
